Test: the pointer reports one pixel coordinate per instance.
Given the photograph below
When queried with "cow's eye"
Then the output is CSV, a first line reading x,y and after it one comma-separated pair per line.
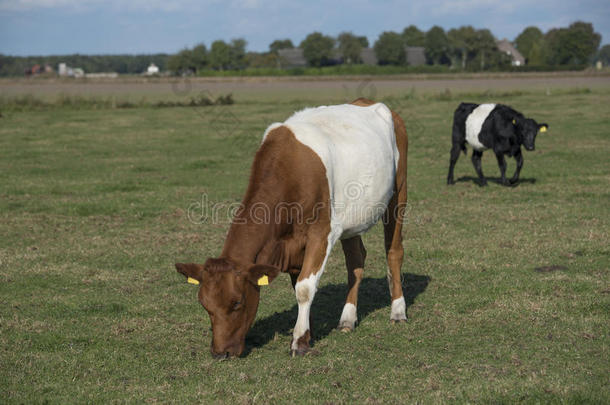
x,y
236,305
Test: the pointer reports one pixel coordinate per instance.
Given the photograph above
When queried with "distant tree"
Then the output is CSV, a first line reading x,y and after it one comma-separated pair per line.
x,y
529,40
220,55
413,36
261,60
179,63
576,44
10,65
199,56
604,55
318,49
278,44
350,47
463,45
364,42
237,54
390,49
437,46
475,49
537,55
487,53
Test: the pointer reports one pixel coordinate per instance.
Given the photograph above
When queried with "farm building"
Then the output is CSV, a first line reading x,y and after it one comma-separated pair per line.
x,y
516,58
38,69
292,58
67,71
152,70
368,57
416,55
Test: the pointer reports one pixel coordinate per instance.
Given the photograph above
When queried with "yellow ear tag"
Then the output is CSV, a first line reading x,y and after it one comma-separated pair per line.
x,y
264,280
542,129
514,122
191,280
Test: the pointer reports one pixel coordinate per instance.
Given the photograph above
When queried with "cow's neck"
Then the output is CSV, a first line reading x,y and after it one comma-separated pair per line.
x,y
253,226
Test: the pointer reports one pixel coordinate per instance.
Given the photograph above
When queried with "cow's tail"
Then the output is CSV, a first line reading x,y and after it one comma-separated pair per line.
x,y
459,124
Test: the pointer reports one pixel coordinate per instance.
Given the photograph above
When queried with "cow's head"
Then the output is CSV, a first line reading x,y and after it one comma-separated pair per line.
x,y
230,292
528,129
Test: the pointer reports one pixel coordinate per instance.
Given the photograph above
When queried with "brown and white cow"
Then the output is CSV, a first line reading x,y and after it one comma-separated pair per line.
x,y
325,174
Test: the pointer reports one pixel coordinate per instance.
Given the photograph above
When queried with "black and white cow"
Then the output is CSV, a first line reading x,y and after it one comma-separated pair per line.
x,y
492,126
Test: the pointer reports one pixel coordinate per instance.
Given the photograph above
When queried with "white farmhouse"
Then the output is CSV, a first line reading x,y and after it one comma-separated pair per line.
x,y
152,70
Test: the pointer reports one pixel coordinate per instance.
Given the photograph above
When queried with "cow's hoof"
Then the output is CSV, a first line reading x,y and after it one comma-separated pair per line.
x,y
483,183
303,353
346,326
302,345
397,321
300,352
450,182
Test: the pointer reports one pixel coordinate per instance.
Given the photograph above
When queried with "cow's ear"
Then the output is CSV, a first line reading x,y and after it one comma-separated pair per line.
x,y
192,271
543,127
262,274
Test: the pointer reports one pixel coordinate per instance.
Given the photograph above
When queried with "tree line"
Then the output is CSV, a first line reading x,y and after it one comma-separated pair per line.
x,y
463,48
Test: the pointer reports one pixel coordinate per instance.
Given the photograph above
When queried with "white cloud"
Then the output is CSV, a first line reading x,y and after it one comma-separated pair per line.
x,y
474,7
133,5
247,4
20,5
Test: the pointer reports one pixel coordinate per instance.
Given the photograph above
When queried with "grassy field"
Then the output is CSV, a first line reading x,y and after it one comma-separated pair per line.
x,y
508,289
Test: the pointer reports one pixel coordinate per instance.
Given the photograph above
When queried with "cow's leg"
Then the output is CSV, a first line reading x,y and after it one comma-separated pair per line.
x,y
455,154
316,254
457,139
294,276
392,227
476,161
355,254
502,166
519,159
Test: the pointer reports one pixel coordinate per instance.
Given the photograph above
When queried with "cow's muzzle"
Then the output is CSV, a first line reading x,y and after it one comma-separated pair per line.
x,y
224,354
220,356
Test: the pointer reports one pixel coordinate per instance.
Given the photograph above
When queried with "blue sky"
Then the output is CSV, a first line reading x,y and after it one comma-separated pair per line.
x,y
44,27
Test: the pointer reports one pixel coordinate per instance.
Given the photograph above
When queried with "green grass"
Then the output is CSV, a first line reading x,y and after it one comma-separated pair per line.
x,y
97,205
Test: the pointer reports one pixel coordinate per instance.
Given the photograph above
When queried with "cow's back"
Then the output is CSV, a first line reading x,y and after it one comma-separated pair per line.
x,y
474,124
357,146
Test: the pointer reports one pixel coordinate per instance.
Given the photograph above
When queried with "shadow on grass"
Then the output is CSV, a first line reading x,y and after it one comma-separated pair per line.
x,y
475,180
328,304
